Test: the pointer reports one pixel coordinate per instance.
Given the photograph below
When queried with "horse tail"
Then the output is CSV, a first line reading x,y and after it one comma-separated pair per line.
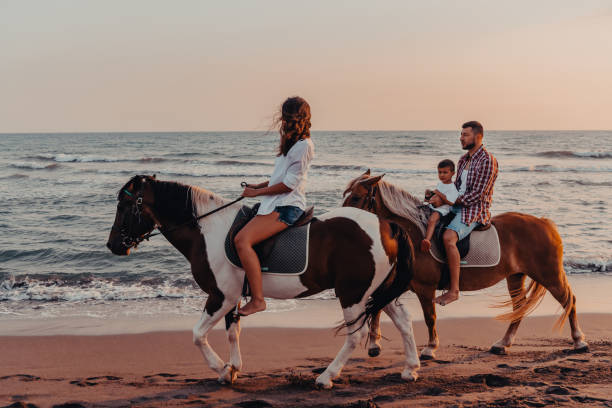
x,y
530,299
395,284
569,304
535,292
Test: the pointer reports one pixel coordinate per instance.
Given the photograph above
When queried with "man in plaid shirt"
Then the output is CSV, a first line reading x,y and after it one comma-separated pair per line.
x,y
476,174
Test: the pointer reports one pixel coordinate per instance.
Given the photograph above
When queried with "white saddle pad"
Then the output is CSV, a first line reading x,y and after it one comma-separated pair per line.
x,y
484,250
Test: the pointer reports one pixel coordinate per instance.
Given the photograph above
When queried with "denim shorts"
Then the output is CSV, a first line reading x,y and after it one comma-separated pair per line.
x,y
288,214
462,230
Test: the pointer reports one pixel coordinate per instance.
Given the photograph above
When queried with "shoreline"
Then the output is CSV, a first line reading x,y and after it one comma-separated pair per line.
x,y
591,291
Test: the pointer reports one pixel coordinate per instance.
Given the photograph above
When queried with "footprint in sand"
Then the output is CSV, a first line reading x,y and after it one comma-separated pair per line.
x,y
22,377
254,404
93,381
491,380
557,390
166,375
20,404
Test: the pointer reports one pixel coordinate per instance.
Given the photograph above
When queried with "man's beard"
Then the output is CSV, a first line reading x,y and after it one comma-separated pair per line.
x,y
470,146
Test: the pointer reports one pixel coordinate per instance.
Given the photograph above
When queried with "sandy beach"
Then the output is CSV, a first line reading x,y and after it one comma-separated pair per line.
x,y
280,365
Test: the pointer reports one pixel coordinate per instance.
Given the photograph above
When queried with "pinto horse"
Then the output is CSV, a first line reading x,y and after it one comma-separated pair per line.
x,y
530,247
366,260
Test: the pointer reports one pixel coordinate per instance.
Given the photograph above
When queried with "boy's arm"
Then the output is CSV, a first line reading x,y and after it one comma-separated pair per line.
x,y
436,201
443,198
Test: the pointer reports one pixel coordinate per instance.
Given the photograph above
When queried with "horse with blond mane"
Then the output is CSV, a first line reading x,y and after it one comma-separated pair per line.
x,y
530,247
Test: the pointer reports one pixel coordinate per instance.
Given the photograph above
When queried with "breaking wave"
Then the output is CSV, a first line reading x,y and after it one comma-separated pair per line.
x,y
35,166
69,158
581,155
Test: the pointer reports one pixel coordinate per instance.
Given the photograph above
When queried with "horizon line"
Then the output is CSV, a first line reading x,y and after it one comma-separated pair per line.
x,y
274,131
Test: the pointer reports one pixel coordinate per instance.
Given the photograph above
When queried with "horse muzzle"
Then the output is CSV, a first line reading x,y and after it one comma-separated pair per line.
x,y
118,249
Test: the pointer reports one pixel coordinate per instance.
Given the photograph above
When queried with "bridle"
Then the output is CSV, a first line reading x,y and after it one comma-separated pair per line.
x,y
371,199
128,240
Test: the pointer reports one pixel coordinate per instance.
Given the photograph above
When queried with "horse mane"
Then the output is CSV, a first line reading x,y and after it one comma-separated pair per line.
x,y
174,198
201,198
403,204
184,201
398,201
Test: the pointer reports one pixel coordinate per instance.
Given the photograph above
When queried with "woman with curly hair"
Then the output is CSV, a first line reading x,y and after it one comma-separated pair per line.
x,y
283,199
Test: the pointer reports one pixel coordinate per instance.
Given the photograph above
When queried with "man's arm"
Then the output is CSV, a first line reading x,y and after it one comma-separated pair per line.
x,y
485,175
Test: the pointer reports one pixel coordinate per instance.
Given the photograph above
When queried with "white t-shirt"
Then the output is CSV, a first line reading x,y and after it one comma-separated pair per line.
x,y
463,185
292,171
451,193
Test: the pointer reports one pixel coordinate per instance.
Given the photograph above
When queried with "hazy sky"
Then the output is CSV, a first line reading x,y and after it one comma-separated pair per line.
x,y
227,65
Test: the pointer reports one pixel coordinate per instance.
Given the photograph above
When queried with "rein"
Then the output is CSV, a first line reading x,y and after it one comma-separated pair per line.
x,y
152,234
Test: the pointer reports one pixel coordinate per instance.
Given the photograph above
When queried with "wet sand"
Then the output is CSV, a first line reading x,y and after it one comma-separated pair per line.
x,y
280,365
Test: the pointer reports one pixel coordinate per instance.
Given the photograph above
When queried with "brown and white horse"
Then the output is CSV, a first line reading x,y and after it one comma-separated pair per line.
x,y
530,247
368,262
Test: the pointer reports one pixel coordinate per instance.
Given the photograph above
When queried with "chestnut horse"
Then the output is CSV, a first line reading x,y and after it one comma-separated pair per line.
x,y
367,261
530,246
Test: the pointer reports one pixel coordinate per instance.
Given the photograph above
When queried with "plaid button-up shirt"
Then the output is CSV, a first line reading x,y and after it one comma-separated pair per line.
x,y
478,195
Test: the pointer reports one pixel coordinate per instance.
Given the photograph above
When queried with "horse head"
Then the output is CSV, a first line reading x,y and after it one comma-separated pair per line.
x,y
134,218
361,192
371,193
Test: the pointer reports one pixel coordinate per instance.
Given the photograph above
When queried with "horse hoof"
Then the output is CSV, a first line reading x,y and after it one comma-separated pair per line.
x,y
425,357
322,384
374,351
583,348
228,375
500,351
409,376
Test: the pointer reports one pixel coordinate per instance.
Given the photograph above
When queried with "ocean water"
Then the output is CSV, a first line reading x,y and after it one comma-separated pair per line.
x,y
58,199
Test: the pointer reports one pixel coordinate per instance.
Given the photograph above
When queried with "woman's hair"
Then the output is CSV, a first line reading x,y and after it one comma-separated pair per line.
x,y
294,123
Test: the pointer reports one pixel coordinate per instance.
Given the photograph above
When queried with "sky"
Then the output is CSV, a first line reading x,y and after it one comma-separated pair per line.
x,y
86,66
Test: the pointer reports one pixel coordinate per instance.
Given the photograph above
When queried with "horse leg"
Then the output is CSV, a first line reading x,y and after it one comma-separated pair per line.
x,y
563,293
203,327
516,288
374,336
231,369
429,313
353,338
403,321
577,334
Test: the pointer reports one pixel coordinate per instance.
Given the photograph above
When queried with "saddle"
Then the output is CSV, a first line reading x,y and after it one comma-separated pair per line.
x,y
479,249
285,253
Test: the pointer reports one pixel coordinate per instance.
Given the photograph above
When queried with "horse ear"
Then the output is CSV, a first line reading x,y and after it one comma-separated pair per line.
x,y
371,181
367,173
154,177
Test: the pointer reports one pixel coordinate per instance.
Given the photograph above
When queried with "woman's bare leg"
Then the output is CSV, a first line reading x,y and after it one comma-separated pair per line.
x,y
257,230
